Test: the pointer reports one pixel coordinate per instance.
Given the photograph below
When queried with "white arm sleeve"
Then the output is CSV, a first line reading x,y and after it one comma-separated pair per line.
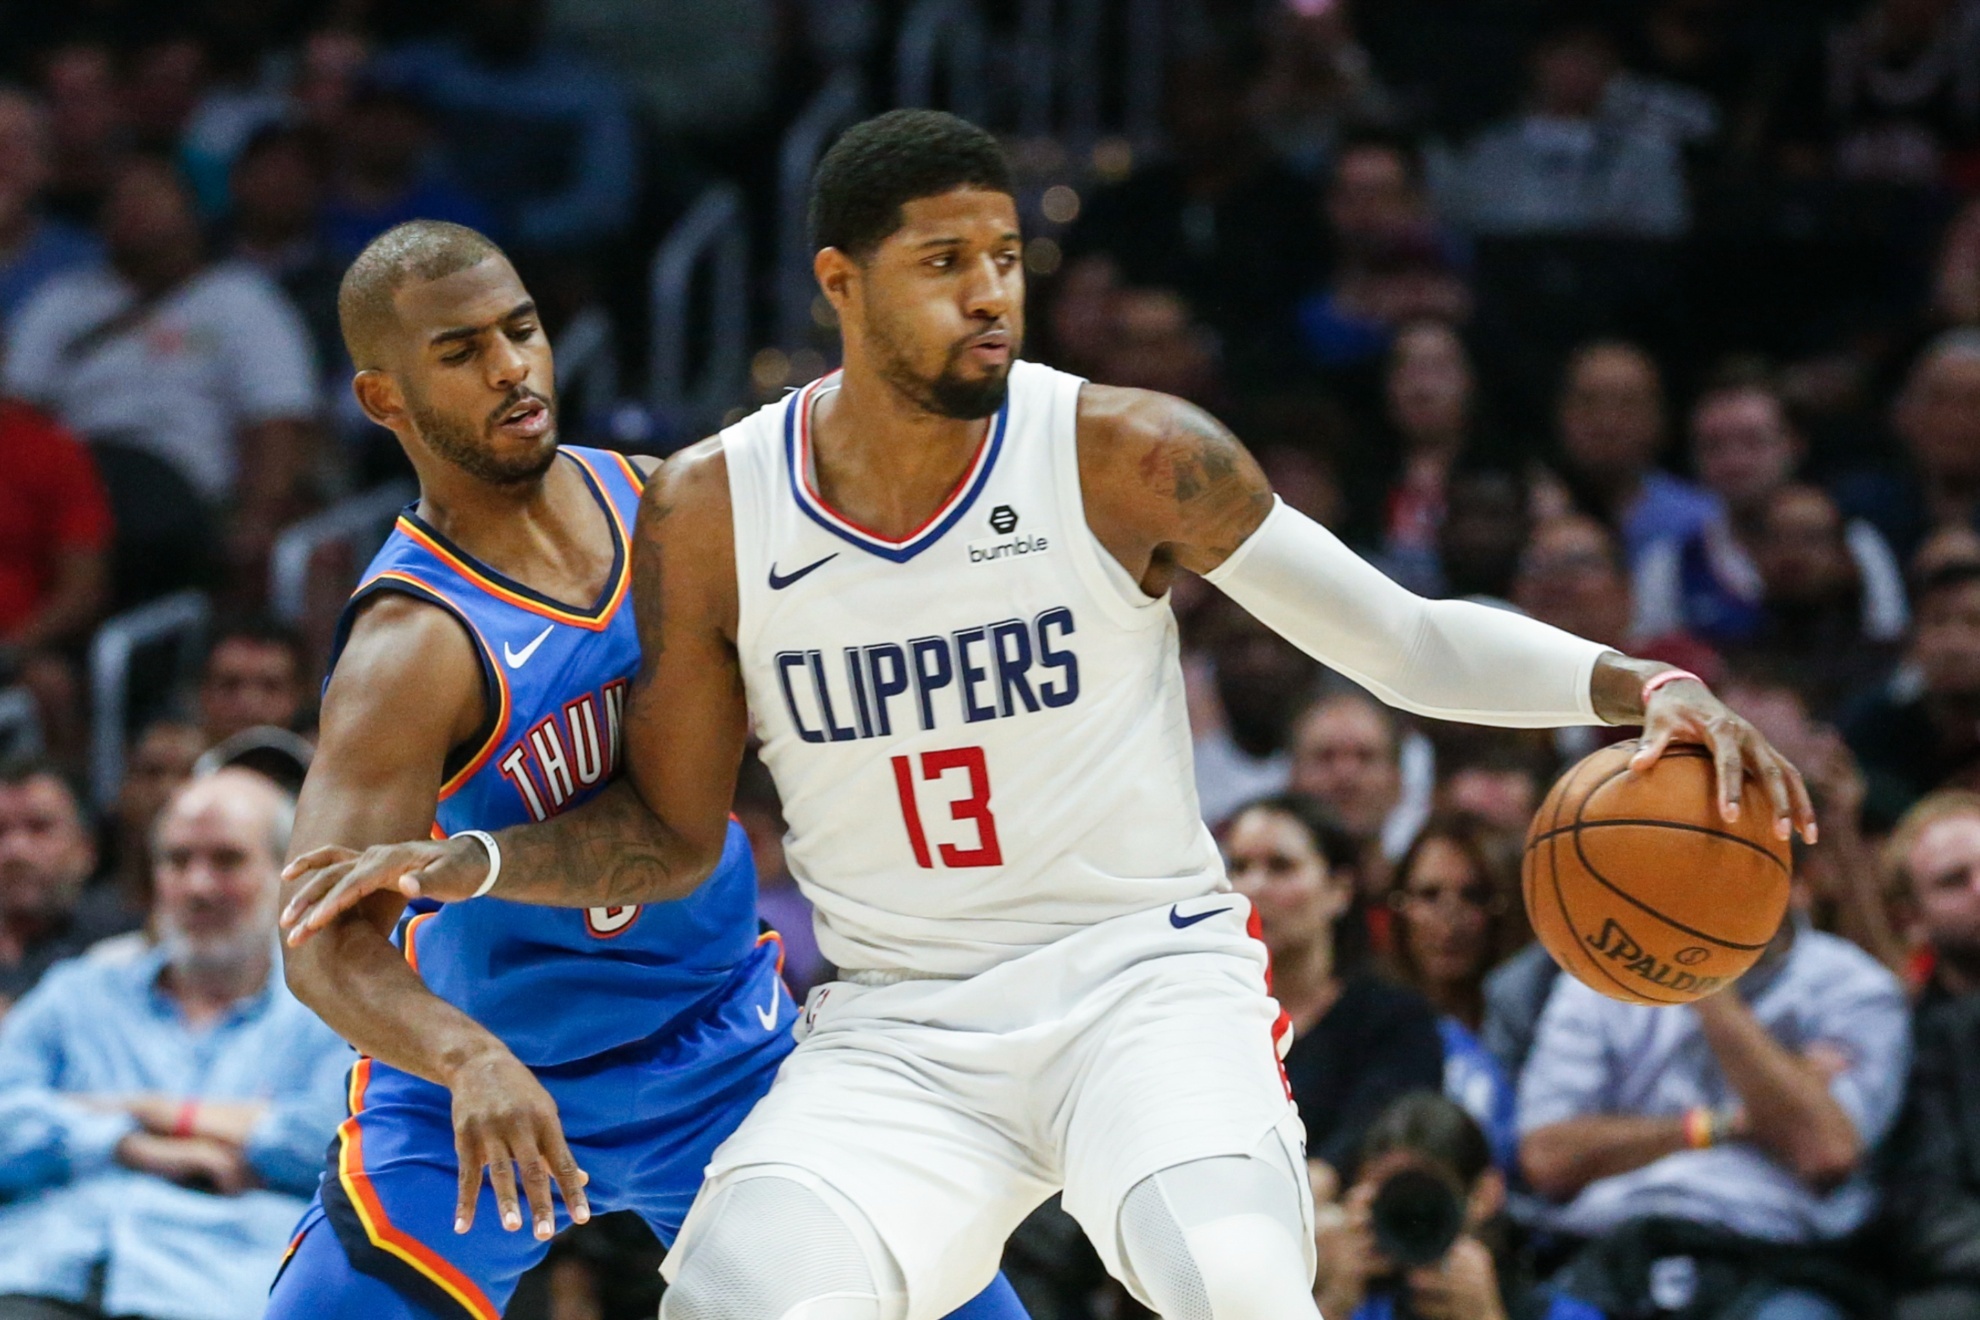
x,y
1449,659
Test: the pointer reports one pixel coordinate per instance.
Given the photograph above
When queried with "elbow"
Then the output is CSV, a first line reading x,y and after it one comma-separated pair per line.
x,y
1549,1164
1826,1160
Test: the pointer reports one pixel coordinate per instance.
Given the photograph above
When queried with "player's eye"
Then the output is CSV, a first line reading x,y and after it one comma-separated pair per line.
x,y
522,333
458,356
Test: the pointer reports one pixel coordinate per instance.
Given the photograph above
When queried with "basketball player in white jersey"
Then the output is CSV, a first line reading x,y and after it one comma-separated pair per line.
x,y
935,585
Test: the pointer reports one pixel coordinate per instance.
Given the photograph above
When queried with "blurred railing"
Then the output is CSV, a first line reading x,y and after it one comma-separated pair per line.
x,y
20,723
180,619
1067,85
360,522
714,234
835,106
945,38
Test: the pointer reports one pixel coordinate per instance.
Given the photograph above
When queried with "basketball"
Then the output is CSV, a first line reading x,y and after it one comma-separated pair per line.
x,y
1637,887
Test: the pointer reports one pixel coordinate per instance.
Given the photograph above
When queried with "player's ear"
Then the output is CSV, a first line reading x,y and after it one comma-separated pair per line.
x,y
379,395
836,274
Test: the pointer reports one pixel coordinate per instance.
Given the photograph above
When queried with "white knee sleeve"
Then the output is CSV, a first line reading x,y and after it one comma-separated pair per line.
x,y
1221,1239
771,1248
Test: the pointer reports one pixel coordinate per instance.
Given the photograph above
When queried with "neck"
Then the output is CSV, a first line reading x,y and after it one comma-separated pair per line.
x,y
1957,970
1463,1000
466,509
882,458
1303,981
204,992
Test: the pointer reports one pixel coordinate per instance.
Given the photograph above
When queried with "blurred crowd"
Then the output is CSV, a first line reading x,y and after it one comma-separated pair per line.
x,y
1658,320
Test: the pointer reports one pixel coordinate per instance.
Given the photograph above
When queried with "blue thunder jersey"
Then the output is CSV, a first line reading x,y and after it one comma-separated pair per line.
x,y
556,984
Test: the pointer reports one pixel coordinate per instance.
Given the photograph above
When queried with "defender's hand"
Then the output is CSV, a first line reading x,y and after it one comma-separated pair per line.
x,y
505,1121
1686,711
335,879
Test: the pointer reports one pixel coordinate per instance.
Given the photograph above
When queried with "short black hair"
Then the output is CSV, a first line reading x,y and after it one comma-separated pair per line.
x,y
1430,1126
1353,950
259,630
416,250
18,771
879,165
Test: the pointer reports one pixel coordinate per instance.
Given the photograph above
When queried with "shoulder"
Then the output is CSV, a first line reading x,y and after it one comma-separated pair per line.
x,y
1141,445
1833,968
397,638
79,293
694,480
75,988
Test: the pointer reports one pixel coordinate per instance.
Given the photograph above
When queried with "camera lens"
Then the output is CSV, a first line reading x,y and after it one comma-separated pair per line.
x,y
1416,1216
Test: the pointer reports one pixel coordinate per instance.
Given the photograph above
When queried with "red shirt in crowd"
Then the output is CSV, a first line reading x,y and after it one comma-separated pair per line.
x,y
51,502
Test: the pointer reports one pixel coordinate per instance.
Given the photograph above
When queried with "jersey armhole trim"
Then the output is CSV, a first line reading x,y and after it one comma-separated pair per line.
x,y
467,758
1105,576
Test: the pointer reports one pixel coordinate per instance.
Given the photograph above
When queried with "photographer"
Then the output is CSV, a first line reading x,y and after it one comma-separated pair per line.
x,y
1420,1235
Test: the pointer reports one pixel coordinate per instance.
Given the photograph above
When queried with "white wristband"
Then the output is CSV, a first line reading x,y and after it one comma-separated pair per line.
x,y
487,841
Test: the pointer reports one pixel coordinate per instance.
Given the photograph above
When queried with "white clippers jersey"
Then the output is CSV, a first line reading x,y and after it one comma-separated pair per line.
x,y
978,732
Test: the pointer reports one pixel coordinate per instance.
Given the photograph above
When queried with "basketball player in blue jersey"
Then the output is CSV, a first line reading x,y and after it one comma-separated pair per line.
x,y
513,1058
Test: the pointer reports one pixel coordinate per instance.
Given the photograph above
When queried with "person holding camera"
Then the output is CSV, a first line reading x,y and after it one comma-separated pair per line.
x,y
1420,1235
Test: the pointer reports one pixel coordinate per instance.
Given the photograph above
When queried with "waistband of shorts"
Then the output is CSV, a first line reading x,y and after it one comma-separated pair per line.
x,y
874,977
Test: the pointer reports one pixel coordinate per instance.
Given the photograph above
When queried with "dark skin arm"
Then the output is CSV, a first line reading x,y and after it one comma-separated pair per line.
x,y
406,689
658,832
1167,488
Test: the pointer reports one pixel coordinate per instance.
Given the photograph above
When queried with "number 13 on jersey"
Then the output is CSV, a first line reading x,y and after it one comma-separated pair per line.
x,y
973,807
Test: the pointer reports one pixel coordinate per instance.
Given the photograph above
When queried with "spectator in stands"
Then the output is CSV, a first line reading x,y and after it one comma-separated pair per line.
x,y
89,127
1611,419
1478,1278
160,761
1921,729
254,675
1572,577
47,856
1358,1040
1497,776
1933,1178
1258,684
1736,1132
54,532
1487,519
163,1119
541,135
1579,161
1348,753
193,382
1710,584
1819,625
1899,97
1937,417
33,244
1317,87
1391,266
1216,219
386,170
1431,393
1458,914
276,189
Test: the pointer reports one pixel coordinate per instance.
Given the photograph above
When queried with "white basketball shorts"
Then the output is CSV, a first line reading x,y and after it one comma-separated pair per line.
x,y
946,1111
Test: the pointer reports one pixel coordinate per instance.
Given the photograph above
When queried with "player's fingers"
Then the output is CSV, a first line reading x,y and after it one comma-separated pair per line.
x,y
1730,761
536,1187
1804,805
309,891
471,1165
316,859
564,1168
502,1177
1772,777
1653,746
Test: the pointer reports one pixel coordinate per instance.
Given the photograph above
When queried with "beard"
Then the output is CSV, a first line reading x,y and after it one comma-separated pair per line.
x,y
948,393
211,955
461,444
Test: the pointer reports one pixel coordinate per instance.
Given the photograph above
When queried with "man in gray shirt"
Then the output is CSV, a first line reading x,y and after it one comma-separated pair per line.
x,y
1748,1114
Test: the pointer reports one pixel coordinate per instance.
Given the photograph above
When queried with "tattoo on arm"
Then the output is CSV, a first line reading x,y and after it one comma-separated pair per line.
x,y
1217,490
611,851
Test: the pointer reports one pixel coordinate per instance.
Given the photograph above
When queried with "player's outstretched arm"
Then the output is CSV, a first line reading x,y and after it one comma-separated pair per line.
x,y
406,689
1167,487
657,832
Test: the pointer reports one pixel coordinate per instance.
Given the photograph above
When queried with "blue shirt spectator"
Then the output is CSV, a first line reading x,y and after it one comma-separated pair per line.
x,y
544,136
1824,1001
33,246
163,1118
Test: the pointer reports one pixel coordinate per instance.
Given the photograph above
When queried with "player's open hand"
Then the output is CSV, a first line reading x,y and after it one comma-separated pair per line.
x,y
1686,711
334,880
507,1124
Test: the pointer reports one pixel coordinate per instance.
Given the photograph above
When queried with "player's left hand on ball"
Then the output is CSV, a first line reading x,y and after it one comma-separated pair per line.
x,y
334,880
1687,712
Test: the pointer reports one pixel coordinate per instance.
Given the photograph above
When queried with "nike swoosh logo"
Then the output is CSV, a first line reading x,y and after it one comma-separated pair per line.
x,y
517,659
779,582
768,1016
1180,922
